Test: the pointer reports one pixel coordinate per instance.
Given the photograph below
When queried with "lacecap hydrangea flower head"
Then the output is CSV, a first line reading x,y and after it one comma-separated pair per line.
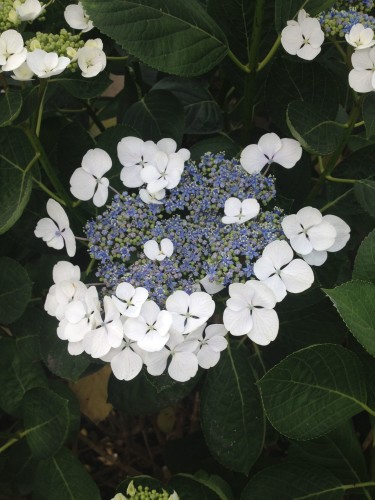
x,y
178,234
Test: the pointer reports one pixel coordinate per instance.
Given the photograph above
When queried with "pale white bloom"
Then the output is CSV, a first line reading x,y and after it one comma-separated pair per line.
x,y
211,286
154,251
134,154
151,328
280,272
238,212
307,231
129,300
149,198
211,343
362,77
169,146
126,360
270,149
12,50
91,60
96,43
303,37
88,182
250,312
56,231
76,17
28,10
23,73
46,64
164,172
360,37
189,312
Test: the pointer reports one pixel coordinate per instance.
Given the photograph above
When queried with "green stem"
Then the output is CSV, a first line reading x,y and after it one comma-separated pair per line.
x,y
270,54
13,441
117,58
94,117
336,179
89,267
342,487
238,63
333,202
39,112
259,356
359,124
49,192
339,49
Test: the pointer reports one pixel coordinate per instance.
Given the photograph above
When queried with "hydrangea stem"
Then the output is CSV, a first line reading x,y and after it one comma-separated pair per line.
x,y
14,440
39,111
270,54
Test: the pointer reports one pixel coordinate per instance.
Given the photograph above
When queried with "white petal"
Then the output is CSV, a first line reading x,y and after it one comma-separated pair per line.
x,y
126,365
152,341
322,236
289,153
239,322
75,348
211,287
342,232
250,208
218,343
156,362
252,159
131,176
150,174
57,213
207,358
232,207
166,247
96,162
361,81
183,366
277,286
150,312
215,330
101,194
82,185
361,60
269,144
291,39
262,295
301,244
96,343
75,311
291,225
297,276
135,328
46,229
315,258
65,270
163,323
70,242
130,151
168,146
178,302
279,253
265,326
201,305
125,291
308,52
309,216
151,249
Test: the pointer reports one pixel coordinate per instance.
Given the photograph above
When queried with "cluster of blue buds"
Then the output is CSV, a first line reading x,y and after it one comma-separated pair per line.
x,y
339,20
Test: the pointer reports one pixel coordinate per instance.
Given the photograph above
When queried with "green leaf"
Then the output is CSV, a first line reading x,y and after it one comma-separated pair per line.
x,y
174,36
191,487
232,419
83,88
364,191
316,133
16,154
286,10
217,144
10,107
158,114
15,290
368,113
364,264
355,301
313,390
293,481
17,470
46,421
63,477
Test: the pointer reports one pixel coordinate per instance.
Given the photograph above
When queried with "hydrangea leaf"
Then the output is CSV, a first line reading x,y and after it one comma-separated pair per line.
x,y
288,9
84,88
17,470
191,487
63,476
355,301
15,290
364,264
216,144
10,107
368,113
174,36
232,418
364,191
297,392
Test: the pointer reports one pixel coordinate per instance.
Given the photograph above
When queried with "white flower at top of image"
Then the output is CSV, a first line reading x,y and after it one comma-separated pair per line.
x,y
56,231
238,212
28,10
270,149
189,312
154,198
134,154
211,343
280,272
165,172
87,181
23,73
250,311
46,64
91,61
307,231
154,251
362,76
360,37
76,17
12,50
303,37
169,146
129,300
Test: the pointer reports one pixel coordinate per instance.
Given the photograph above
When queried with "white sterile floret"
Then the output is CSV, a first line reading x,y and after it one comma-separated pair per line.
x,y
129,300
280,272
307,231
12,50
360,37
126,360
153,251
46,64
134,154
151,328
211,343
189,312
238,212
250,312
56,231
23,73
107,334
91,61
154,198
210,285
169,146
88,182
270,149
165,172
303,38
76,17
28,10
362,77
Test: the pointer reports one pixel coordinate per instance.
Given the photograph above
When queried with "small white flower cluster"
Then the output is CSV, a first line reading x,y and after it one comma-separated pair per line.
x,y
27,10
303,37
130,331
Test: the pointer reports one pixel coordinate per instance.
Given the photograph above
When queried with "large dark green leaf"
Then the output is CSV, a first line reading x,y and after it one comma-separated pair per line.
x,y
217,144
313,390
364,264
364,191
191,487
83,88
15,290
174,36
288,9
10,107
232,418
368,112
17,469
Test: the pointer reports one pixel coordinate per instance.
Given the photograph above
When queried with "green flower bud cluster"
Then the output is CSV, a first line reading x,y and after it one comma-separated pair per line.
x,y
7,18
144,493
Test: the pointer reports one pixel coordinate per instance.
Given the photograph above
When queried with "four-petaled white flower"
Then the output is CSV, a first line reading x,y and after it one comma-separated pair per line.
x,y
12,50
211,343
362,76
45,64
88,181
134,154
165,172
189,312
28,10
129,300
270,149
303,37
169,146
76,17
154,198
91,60
153,251
280,272
126,360
250,311
360,37
56,231
238,212
307,231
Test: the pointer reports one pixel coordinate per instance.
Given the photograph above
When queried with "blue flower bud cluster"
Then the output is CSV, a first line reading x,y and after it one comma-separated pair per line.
x,y
338,22
190,217
364,6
